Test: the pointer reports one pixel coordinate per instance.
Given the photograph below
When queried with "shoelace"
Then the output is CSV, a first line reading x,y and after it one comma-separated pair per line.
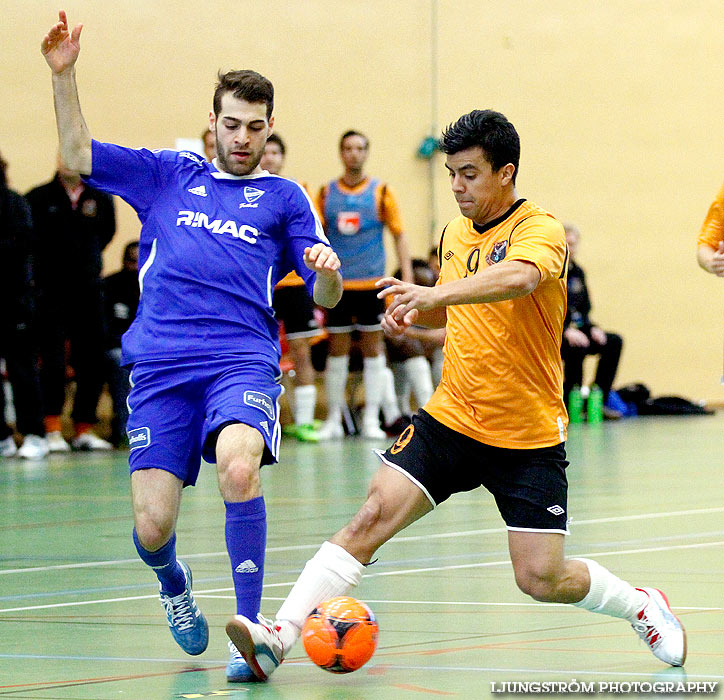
x,y
235,653
647,630
273,631
180,610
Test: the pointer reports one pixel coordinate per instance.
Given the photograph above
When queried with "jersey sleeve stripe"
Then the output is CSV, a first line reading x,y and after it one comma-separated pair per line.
x,y
147,264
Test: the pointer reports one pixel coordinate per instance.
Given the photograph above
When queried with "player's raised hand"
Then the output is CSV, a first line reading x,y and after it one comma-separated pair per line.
x,y
322,259
406,297
61,46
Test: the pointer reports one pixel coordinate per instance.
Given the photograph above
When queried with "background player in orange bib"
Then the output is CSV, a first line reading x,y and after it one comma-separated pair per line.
x,y
497,419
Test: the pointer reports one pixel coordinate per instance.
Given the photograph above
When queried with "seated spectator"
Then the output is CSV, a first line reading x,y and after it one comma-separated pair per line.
x,y
17,344
121,295
710,249
581,337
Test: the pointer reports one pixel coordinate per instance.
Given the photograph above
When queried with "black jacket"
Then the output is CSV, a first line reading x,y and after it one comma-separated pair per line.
x,y
69,242
121,294
16,274
579,303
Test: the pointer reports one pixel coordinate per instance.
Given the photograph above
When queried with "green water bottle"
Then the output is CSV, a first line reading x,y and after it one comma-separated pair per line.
x,y
595,405
575,405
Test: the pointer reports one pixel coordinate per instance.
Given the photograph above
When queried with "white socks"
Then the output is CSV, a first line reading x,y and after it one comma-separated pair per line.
x,y
305,399
609,595
335,385
419,376
390,409
373,375
331,572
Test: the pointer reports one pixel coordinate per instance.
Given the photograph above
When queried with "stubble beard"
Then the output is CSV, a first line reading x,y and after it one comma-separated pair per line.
x,y
239,169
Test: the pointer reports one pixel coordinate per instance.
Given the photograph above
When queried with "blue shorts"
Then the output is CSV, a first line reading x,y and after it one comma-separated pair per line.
x,y
177,408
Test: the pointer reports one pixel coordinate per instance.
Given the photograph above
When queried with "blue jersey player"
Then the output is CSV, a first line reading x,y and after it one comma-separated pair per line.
x,y
216,238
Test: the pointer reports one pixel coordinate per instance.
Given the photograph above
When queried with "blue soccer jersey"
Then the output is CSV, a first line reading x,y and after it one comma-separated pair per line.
x,y
212,248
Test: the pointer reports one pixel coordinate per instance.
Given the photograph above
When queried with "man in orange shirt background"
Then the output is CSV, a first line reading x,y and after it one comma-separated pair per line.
x,y
497,419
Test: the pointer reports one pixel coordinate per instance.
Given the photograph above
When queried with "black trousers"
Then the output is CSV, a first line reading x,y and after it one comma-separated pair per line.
x,y
21,359
609,355
79,321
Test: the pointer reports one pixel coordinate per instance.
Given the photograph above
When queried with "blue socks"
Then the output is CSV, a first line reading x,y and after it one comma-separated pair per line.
x,y
164,564
246,544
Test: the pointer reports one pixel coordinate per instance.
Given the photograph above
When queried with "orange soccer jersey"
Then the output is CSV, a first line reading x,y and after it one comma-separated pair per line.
x,y
502,376
712,230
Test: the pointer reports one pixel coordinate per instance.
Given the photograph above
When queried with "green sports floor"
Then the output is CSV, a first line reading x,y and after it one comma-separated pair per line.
x,y
80,617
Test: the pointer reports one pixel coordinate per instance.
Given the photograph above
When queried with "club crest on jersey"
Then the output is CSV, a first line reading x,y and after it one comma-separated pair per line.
x,y
138,438
260,401
348,222
251,194
498,253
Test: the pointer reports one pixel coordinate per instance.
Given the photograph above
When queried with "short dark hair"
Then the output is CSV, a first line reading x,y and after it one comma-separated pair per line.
x,y
353,132
3,171
275,138
244,85
489,130
128,249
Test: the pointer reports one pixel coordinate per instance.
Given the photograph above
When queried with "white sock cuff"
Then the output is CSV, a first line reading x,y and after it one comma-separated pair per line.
x,y
339,560
305,391
594,597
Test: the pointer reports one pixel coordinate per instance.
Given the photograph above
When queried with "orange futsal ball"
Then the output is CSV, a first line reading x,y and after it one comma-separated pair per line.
x,y
340,635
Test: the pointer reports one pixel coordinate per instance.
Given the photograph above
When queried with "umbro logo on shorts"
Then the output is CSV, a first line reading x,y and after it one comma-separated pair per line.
x,y
138,438
200,191
260,401
247,567
556,510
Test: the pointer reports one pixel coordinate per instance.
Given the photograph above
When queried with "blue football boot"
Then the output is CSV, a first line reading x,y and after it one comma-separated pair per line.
x,y
237,670
188,626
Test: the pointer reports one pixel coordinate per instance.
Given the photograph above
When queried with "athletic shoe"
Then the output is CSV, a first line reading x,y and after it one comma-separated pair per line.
x,y
237,670
371,431
56,442
331,430
34,447
307,433
86,442
8,448
258,643
188,626
661,629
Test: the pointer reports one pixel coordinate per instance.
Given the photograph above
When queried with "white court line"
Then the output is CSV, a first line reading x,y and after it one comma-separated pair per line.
x,y
399,572
394,540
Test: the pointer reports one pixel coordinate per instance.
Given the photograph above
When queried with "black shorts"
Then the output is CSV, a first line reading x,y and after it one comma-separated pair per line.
x,y
294,307
358,309
529,486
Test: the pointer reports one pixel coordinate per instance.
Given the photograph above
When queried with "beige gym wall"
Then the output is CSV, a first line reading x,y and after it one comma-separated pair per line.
x,y
619,104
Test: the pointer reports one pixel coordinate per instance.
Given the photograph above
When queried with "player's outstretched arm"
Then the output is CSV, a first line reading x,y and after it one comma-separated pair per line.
x,y
412,303
328,286
61,47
